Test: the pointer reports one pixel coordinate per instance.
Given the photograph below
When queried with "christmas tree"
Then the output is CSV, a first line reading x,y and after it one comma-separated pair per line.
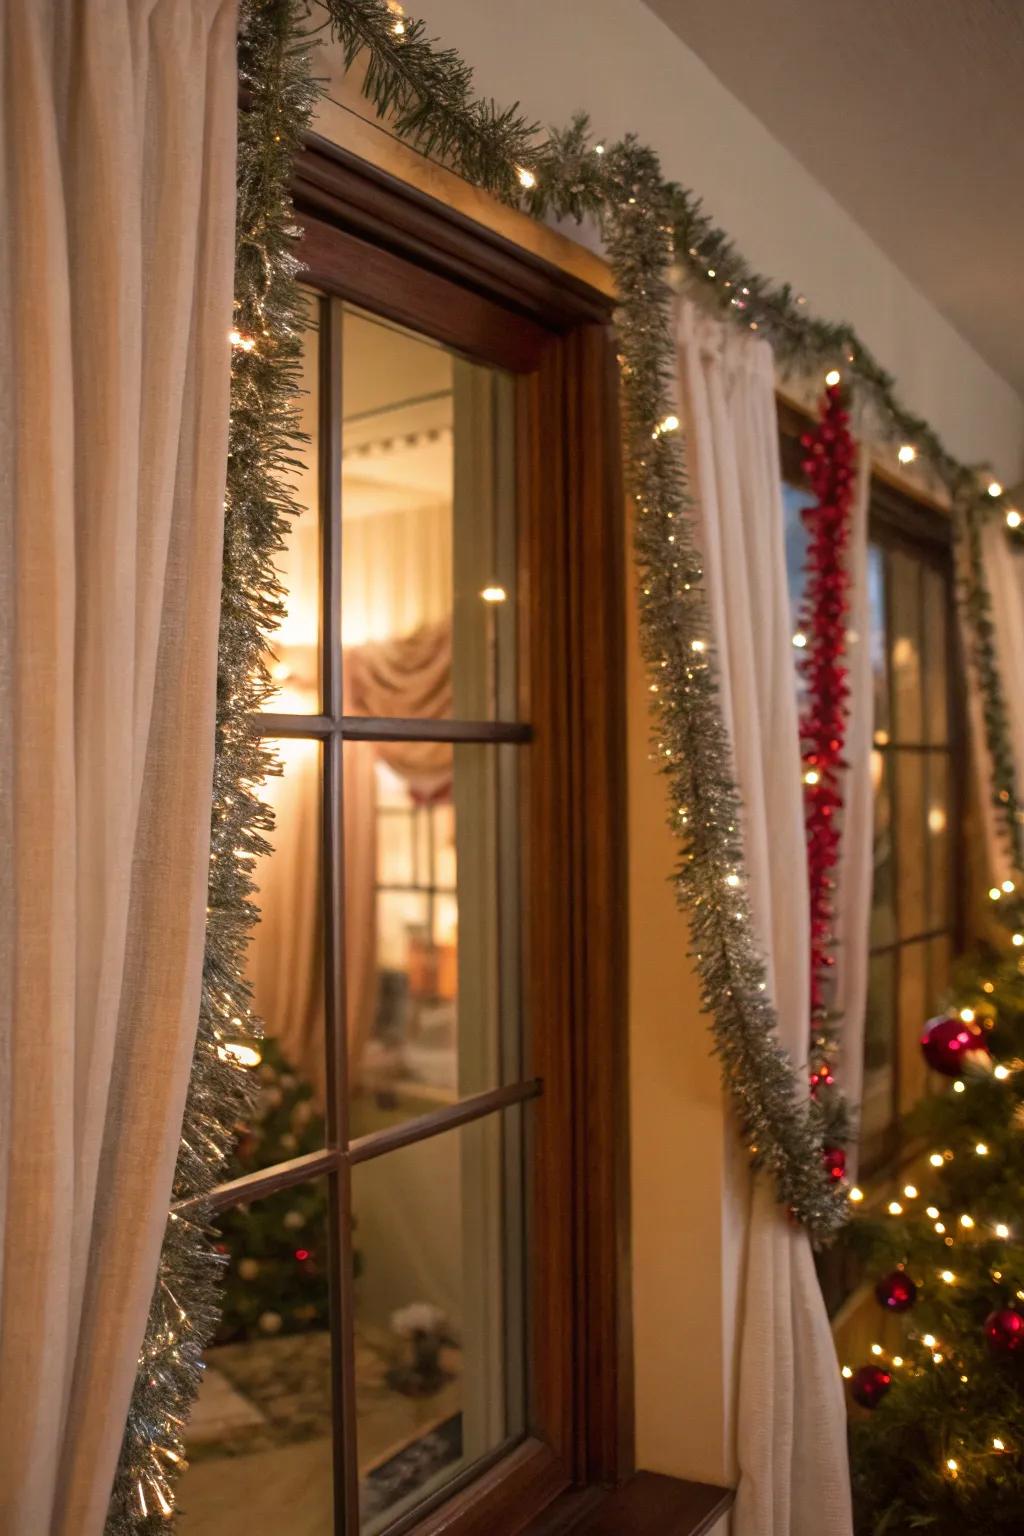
x,y
937,1443
276,1246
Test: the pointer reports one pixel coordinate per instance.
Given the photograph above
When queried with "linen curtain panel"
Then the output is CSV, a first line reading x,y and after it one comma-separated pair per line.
x,y
1004,574
790,1416
117,147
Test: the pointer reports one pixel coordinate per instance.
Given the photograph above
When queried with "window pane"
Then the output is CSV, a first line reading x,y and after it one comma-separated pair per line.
x,y
428,528
879,648
883,890
879,1038
295,645
911,813
439,1311
286,965
913,1011
939,893
936,674
260,1439
426,963
905,647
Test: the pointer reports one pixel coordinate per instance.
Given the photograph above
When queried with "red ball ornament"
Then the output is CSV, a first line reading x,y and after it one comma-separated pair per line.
x,y
869,1385
834,1159
1004,1331
896,1292
948,1044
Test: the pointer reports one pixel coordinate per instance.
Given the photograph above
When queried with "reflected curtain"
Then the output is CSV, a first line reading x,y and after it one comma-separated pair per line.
x,y
791,1421
1003,566
117,142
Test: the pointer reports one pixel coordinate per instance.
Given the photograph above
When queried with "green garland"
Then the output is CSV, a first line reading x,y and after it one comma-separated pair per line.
x,y
275,73
649,226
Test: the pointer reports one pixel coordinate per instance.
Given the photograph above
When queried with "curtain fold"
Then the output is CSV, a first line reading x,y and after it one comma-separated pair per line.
x,y
1003,567
117,148
790,1415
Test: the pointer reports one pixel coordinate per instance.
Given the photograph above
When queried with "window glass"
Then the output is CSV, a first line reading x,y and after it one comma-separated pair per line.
x,y
260,1441
904,619
936,644
879,1039
428,553
910,823
439,1311
429,1016
294,659
883,888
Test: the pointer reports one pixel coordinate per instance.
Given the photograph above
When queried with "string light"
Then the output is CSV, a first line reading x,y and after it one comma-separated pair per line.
x,y
910,1190
948,1276
833,377
907,453
952,1466
936,1159
959,1087
1002,1230
1013,518
967,1014
994,893
847,1372
812,776
799,640
1018,939
669,424
997,1443
940,1227
966,1221
932,1211
981,1149
856,1195
239,1053
493,594
894,1208
928,1340
994,488
526,177
1009,887
1000,1072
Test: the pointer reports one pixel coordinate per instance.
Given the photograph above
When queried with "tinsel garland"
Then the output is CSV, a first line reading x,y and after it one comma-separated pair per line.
x,y
266,346
829,466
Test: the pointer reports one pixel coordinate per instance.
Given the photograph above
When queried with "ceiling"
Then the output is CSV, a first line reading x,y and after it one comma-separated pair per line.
x,y
910,113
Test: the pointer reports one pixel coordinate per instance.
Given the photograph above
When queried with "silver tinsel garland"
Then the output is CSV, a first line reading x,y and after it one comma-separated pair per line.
x,y
650,227
275,77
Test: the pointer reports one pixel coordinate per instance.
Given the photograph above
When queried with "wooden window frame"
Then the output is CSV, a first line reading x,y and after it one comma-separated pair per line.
x,y
371,241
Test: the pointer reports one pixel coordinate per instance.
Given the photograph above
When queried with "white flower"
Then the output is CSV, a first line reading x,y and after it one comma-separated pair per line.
x,y
418,1317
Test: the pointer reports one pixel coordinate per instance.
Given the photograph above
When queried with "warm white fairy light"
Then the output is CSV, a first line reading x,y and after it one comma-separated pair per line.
x,y
876,1349
932,1211
1000,1072
959,1087
526,177
732,880
936,1159
697,645
1009,887
981,1149
948,1276
897,1360
799,640
910,1190
994,488
967,1014
894,1208
847,1372
940,1227
832,377
997,1443
856,1195
928,1340
994,893
812,776
1013,518
966,1221
494,594
952,1466
907,453
1018,939
239,1053
1002,1230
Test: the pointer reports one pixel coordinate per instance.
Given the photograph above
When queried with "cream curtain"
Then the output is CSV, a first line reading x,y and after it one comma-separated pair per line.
x,y
117,148
1004,574
790,1418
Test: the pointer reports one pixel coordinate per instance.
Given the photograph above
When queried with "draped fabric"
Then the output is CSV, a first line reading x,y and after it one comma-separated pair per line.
x,y
790,1416
409,676
117,148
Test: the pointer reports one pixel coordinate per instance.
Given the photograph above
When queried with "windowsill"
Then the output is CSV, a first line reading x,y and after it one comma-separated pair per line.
x,y
649,1504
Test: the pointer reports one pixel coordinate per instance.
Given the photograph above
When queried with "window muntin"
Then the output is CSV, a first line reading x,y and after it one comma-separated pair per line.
x,y
413,1102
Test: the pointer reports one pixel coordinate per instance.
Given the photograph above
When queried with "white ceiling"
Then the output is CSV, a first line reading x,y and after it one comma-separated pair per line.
x,y
910,113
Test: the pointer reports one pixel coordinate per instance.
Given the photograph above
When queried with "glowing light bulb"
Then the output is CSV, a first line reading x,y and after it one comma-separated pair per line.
x,y
952,1465
876,1349
907,453
1009,887
967,1014
811,776
997,1444
697,645
932,1211
948,1276
981,1149
966,1221
940,1228
1018,939
897,1360
239,1054
733,880
799,640
526,177
832,377
910,1190
994,893
894,1208
994,488
493,594
958,1087
928,1341
856,1195
1001,1072
936,1159
1013,518
846,1371
1002,1230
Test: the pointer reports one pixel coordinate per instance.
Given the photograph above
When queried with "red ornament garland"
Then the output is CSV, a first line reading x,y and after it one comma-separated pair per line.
x,y
829,452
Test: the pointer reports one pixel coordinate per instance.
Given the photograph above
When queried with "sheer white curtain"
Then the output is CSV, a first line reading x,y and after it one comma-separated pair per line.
x,y
1004,574
117,149
790,1417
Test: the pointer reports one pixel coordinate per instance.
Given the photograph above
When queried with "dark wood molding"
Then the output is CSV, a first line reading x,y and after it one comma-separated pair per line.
x,y
377,243
649,1504
333,185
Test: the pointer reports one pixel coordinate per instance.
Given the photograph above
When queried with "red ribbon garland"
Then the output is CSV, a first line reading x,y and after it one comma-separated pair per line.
x,y
829,466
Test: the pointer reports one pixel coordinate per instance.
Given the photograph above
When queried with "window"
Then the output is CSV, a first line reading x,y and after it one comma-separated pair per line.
x,y
915,923
422,1327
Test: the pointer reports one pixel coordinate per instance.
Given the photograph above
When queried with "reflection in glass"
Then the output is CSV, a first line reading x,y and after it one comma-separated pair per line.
x,y
424,966
285,963
260,1439
295,644
911,871
876,627
914,1009
439,1319
883,912
905,647
938,810
879,1039
428,529
936,676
